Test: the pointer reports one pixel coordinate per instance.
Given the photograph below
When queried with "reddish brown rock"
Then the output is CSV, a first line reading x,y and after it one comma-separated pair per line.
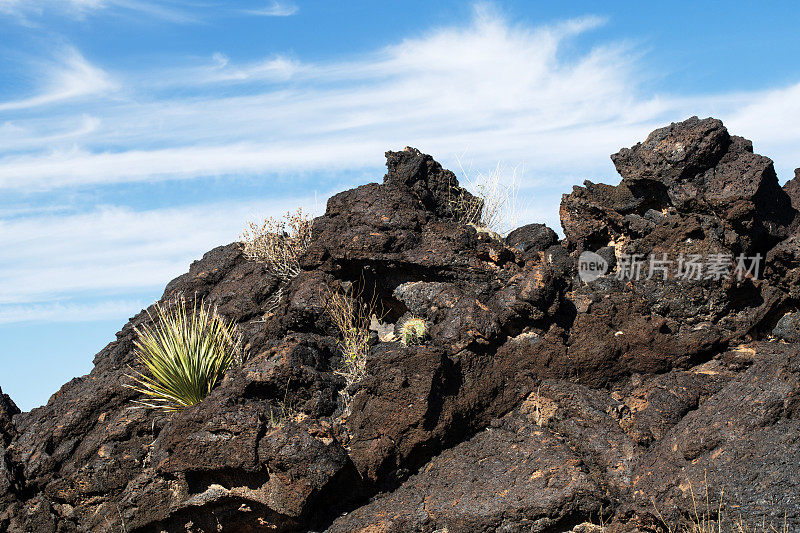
x,y
513,476
743,442
7,411
792,188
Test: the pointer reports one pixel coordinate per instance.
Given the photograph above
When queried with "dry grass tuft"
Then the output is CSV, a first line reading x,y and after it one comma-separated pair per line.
x,y
466,209
495,205
285,412
708,518
278,243
351,315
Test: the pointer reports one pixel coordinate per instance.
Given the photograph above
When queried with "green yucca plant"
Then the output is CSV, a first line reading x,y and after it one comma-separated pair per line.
x,y
184,354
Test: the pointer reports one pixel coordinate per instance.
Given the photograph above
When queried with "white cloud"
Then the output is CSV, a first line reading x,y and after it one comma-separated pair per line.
x,y
69,77
503,92
26,11
275,69
772,120
495,90
274,9
500,91
78,167
177,11
114,249
38,7
71,312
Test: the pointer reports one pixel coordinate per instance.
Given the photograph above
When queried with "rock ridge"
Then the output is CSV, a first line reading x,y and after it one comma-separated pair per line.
x,y
538,402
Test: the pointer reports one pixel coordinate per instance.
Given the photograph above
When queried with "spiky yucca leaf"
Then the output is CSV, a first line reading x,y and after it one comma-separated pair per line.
x,y
184,354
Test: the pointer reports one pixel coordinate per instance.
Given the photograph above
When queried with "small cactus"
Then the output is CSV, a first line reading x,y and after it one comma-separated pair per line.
x,y
413,331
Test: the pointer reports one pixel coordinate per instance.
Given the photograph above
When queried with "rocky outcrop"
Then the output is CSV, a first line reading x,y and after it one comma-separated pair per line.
x,y
7,411
7,432
512,476
539,400
532,238
792,188
692,177
742,441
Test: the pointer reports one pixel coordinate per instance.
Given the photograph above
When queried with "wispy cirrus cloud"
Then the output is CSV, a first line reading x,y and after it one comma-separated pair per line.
x,y
66,77
38,7
499,91
178,11
488,91
114,249
27,11
57,312
273,69
274,9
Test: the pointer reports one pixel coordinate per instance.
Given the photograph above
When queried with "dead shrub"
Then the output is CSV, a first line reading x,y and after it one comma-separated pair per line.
x,y
278,243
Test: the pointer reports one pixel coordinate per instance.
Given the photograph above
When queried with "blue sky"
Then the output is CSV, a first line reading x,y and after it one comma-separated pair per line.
x,y
136,135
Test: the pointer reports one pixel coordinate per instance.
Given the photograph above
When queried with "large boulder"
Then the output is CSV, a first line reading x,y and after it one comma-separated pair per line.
x,y
689,191
437,188
792,188
7,479
513,476
740,446
691,177
532,237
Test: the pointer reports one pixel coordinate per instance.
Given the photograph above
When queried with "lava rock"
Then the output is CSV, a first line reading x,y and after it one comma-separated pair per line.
x,y
7,411
536,401
674,153
435,187
792,188
532,237
788,327
741,442
691,172
513,476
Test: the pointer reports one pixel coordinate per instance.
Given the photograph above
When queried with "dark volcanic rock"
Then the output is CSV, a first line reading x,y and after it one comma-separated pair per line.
x,y
788,327
783,266
532,237
7,411
710,186
792,188
434,186
7,432
88,442
416,401
743,442
513,476
689,190
657,403
536,402
676,153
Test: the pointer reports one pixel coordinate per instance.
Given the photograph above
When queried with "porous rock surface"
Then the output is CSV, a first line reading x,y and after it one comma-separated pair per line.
x,y
538,402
